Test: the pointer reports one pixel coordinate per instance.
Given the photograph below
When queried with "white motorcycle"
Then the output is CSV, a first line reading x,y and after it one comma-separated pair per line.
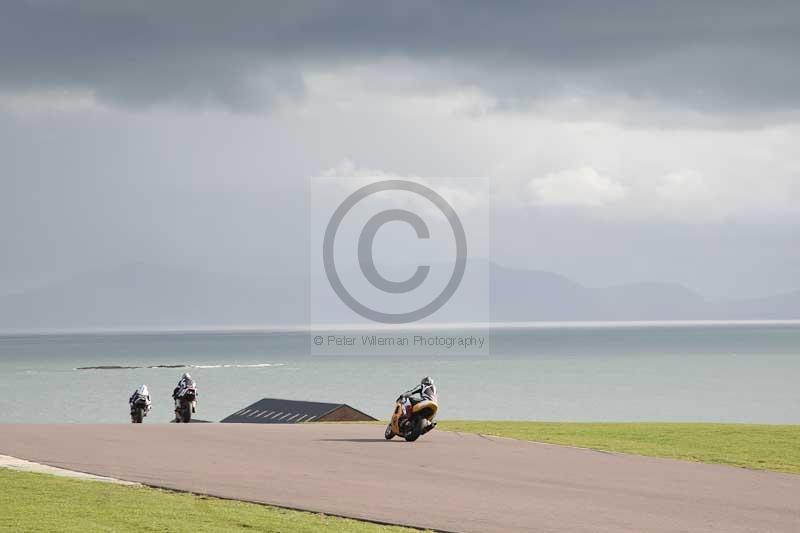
x,y
185,401
140,404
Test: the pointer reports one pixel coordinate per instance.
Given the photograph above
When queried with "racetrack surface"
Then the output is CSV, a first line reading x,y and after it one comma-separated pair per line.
x,y
446,481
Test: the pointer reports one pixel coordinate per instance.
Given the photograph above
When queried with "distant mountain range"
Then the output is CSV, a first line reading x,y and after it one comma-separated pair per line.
x,y
535,295
142,296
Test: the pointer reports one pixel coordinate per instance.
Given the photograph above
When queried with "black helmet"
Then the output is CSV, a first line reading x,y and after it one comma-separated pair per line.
x,y
426,381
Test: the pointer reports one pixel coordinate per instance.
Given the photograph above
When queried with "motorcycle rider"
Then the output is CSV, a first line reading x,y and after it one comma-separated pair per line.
x,y
141,392
421,392
185,382
426,390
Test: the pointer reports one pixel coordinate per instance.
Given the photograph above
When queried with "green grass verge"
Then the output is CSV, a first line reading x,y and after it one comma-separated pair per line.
x,y
762,447
41,502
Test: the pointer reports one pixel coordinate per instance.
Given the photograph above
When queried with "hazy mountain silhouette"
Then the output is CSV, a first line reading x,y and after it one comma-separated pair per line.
x,y
139,295
149,296
536,295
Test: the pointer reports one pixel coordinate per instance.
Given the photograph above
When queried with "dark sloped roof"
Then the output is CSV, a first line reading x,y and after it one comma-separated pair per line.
x,y
277,411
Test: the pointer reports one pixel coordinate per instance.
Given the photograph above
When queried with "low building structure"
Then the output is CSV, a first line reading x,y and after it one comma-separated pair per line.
x,y
278,411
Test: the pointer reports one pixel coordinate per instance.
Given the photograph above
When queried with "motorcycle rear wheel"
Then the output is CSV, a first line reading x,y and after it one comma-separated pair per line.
x,y
416,429
186,413
137,415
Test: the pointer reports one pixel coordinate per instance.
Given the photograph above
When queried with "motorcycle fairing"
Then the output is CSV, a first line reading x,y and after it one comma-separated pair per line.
x,y
425,404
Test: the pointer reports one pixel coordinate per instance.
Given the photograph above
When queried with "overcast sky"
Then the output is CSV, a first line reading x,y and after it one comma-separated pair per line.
x,y
624,141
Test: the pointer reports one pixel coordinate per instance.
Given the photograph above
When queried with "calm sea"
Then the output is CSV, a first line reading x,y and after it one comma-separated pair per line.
x,y
730,373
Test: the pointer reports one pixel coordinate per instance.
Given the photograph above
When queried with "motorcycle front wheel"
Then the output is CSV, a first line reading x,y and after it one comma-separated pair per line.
x,y
137,415
388,434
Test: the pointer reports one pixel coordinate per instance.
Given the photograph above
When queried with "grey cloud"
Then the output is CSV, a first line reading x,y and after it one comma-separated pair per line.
x,y
714,57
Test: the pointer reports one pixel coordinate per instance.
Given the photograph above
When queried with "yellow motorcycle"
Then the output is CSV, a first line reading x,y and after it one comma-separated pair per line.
x,y
413,418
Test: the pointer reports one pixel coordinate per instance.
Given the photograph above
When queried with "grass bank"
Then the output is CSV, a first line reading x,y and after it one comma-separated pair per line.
x,y
41,502
763,447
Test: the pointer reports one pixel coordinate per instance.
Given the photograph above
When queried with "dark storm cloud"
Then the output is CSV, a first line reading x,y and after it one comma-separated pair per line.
x,y
715,57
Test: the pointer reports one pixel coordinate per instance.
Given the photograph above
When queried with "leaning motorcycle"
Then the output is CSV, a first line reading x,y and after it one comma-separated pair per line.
x,y
411,420
185,404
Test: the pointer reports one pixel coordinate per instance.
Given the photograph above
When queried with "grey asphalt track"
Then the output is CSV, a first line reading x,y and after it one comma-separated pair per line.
x,y
448,481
